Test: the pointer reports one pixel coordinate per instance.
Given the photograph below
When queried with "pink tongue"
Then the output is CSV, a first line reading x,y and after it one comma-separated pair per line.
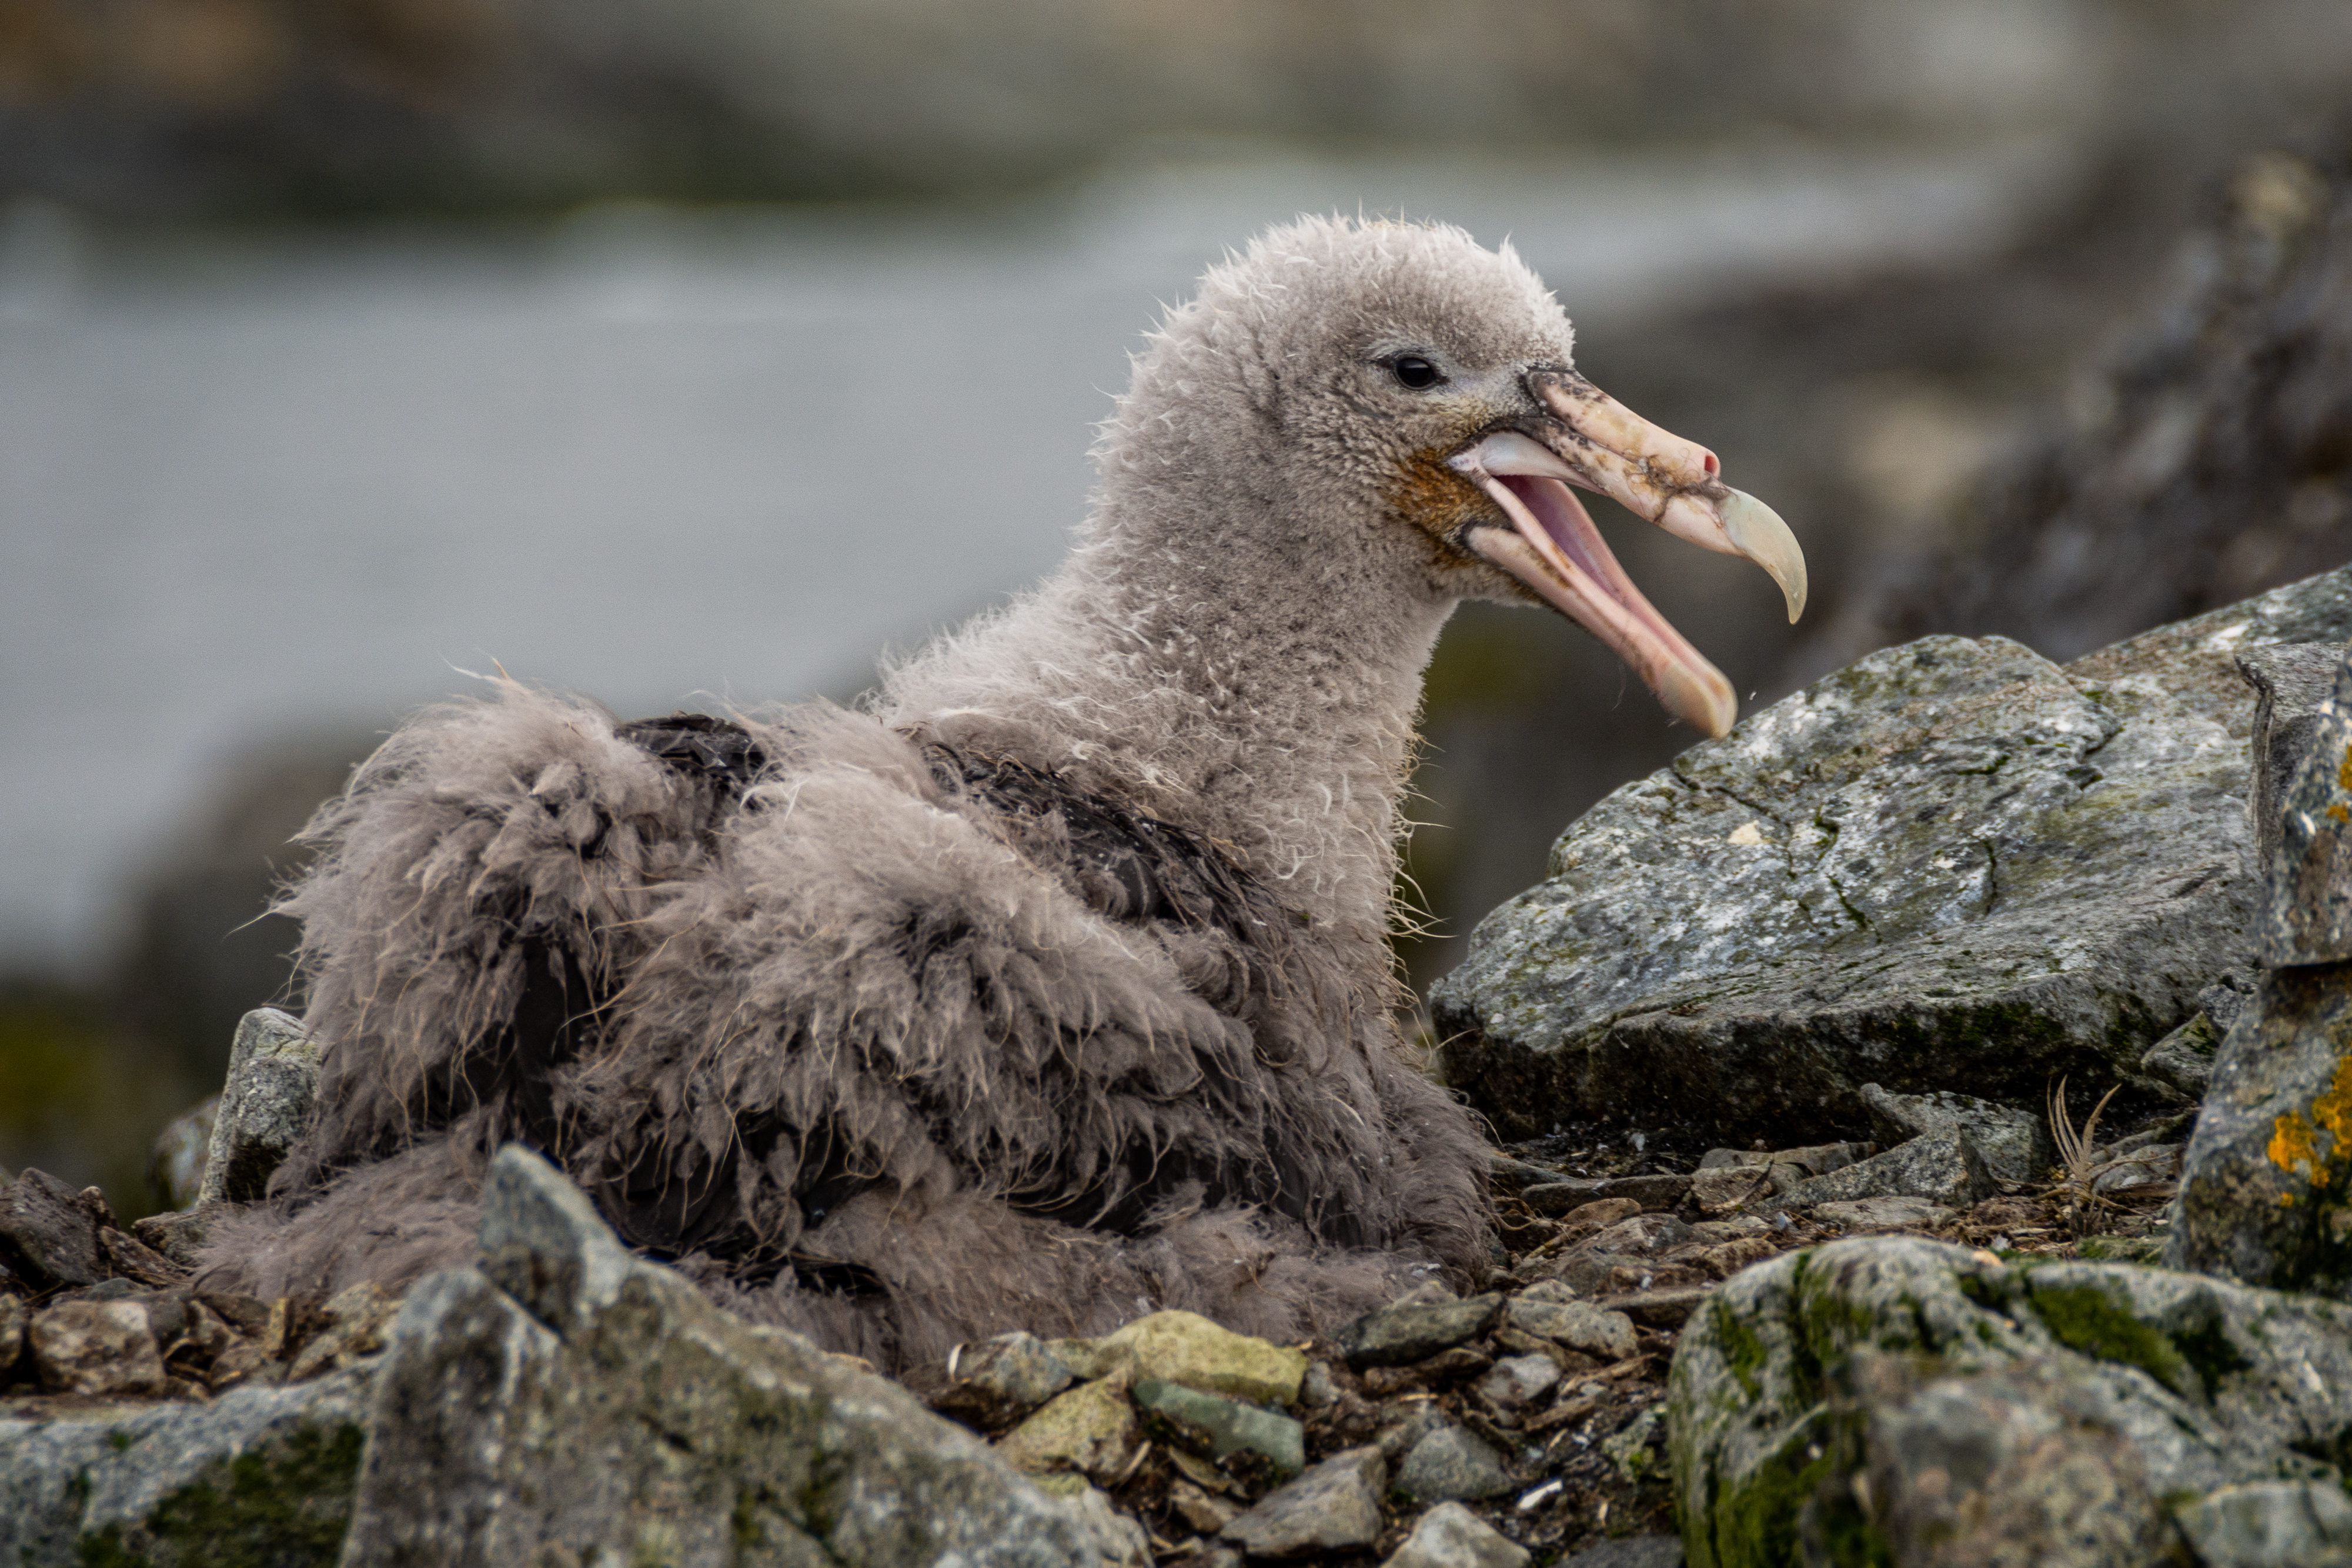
x,y
1550,501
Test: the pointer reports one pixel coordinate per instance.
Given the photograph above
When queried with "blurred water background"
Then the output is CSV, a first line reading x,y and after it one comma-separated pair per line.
x,y
691,353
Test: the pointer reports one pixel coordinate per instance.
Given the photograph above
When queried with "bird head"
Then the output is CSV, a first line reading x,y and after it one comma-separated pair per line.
x,y
1394,391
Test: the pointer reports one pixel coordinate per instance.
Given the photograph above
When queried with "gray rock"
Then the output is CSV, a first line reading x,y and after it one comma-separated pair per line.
x,y
2184,1059
1395,1336
51,1230
1574,1202
1641,1235
2290,681
12,1334
175,1169
2138,1167
568,1402
1516,1175
2226,998
1004,1379
2014,1144
2004,1410
273,1074
259,1475
2266,1181
1632,1551
1872,1213
2270,1524
1415,1422
1634,1448
1942,1167
1518,1380
1451,1536
1652,1192
1452,1463
2307,839
1817,1159
95,1348
176,1236
1953,863
1660,1309
1221,1428
1334,1507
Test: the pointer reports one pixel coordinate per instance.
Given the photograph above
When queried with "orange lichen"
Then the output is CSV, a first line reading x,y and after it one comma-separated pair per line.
x,y
2294,1141
2344,773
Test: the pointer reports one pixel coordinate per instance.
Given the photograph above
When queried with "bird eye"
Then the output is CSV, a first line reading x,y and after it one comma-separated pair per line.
x,y
1416,371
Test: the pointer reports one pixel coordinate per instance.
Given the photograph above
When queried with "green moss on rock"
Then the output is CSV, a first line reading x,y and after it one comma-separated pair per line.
x,y
285,1505
2088,1318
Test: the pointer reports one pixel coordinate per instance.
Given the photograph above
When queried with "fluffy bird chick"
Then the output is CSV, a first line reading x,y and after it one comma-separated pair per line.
x,y
1056,988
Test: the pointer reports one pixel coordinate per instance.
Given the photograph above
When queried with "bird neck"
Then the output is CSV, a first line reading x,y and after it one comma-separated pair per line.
x,y
1254,695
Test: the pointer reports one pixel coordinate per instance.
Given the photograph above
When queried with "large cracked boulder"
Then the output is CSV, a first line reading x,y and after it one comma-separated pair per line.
x,y
1897,1400
1951,865
568,1402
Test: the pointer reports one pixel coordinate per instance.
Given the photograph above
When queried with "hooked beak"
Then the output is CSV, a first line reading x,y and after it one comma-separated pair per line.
x,y
1596,442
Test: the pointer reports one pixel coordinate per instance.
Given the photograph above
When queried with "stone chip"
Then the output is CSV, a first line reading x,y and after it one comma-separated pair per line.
x,y
1396,1336
1451,1536
1334,1507
93,1348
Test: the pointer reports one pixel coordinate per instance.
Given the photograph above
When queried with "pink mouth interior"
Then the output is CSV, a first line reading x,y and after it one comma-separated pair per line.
x,y
1563,518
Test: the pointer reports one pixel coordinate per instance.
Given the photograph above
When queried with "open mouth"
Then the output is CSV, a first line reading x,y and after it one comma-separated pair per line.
x,y
1553,548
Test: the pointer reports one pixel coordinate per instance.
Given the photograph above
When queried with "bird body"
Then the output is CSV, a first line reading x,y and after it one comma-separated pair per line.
x,y
1054,987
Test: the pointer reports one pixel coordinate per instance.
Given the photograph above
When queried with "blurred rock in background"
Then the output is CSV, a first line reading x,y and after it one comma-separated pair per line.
x,y
90,1073
179,107
2207,459
2062,426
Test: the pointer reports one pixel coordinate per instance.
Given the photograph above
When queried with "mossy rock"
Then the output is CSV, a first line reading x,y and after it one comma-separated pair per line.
x,y
261,1477
1854,1403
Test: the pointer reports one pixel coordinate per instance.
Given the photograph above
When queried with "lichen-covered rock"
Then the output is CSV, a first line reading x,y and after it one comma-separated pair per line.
x,y
1942,1167
1451,1463
1576,1325
1000,1380
2266,1181
1874,1213
273,1075
1953,864
1518,1380
1224,1430
261,1474
2184,1059
1187,1348
568,1402
1879,1395
1334,1507
2307,918
1395,1336
96,1348
2014,1144
1091,1430
2270,1524
2290,682
354,1323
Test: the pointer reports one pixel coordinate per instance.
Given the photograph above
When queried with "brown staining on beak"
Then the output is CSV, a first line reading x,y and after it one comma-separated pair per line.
x,y
1594,419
